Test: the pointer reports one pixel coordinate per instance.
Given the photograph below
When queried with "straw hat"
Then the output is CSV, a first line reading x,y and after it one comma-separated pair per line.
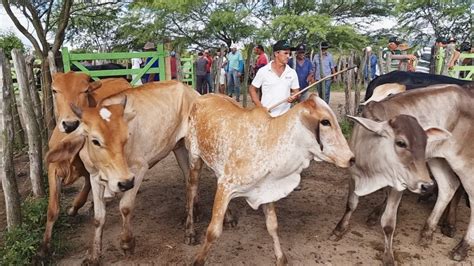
x,y
149,45
403,47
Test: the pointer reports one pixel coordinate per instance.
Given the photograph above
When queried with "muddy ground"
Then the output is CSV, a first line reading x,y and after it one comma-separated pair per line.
x,y
306,219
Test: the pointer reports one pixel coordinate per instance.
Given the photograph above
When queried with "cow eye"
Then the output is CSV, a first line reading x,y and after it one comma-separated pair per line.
x,y
401,144
325,122
96,142
55,91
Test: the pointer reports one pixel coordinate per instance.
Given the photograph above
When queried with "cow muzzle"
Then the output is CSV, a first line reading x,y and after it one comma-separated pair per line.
x,y
69,126
126,185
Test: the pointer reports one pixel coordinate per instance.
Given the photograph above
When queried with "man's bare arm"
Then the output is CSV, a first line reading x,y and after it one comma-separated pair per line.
x,y
254,96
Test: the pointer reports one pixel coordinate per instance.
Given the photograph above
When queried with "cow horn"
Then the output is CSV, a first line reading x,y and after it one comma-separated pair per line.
x,y
76,110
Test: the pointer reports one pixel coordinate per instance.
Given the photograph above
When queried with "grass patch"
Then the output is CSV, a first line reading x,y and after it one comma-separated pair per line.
x,y
20,244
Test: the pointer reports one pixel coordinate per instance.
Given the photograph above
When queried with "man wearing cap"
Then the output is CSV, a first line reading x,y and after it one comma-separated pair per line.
x,y
235,65
149,46
304,69
277,80
440,44
329,67
396,53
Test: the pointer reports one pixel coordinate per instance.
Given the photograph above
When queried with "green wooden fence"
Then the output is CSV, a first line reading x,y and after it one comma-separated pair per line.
x,y
70,59
187,70
454,71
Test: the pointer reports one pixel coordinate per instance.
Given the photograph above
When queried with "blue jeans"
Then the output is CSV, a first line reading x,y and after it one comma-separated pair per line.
x,y
327,90
210,83
233,83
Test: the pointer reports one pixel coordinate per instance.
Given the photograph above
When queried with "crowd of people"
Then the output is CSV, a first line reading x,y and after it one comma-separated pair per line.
x,y
284,76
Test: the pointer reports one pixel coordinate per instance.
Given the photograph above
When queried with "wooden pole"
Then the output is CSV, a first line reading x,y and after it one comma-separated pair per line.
x,y
7,169
246,75
380,62
307,88
31,124
179,67
19,133
36,100
350,82
347,88
360,83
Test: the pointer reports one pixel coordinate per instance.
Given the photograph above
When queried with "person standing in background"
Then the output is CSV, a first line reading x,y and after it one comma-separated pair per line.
x,y
235,66
173,67
209,82
304,69
328,68
149,46
201,71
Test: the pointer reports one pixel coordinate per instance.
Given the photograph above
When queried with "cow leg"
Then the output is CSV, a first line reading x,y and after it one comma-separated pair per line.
x,y
448,220
460,252
99,220
375,215
272,227
53,211
389,222
191,198
127,204
214,230
343,225
229,219
81,198
447,185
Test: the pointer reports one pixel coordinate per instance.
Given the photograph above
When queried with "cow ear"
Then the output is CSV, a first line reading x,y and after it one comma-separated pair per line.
x,y
437,134
66,149
94,85
128,112
371,125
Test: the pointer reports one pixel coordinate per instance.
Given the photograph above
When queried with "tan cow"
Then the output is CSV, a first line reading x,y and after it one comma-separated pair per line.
x,y
256,156
383,91
71,88
123,138
446,107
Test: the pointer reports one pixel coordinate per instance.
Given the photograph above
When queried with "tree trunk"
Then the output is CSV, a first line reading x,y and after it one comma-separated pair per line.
x,y
347,89
36,102
380,62
360,83
48,109
7,169
179,67
246,76
31,124
19,132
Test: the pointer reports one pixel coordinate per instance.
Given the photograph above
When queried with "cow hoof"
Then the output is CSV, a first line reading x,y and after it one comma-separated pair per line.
x,y
459,253
198,262
72,211
426,238
43,251
230,223
128,245
190,240
448,230
282,261
337,234
90,262
387,260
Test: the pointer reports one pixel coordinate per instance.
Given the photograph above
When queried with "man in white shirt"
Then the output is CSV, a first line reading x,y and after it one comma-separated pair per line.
x,y
277,80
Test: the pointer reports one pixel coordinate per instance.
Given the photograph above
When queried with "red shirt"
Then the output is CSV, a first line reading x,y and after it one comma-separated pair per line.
x,y
209,59
173,67
261,61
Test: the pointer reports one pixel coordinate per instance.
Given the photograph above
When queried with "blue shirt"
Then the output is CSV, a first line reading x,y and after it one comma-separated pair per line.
x,y
328,65
235,61
157,75
302,71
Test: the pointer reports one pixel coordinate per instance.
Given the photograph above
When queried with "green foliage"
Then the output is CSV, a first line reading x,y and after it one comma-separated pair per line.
x,y
20,244
8,42
346,127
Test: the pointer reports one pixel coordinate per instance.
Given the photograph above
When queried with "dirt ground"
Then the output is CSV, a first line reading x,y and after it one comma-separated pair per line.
x,y
306,219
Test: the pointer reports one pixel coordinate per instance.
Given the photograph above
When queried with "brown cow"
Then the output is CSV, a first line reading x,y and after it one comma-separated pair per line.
x,y
123,138
71,88
257,156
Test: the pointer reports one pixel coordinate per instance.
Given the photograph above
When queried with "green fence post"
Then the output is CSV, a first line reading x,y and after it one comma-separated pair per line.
x,y
161,61
66,59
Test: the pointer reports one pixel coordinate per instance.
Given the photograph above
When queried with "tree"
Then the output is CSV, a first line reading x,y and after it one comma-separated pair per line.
x,y
8,42
445,19
39,14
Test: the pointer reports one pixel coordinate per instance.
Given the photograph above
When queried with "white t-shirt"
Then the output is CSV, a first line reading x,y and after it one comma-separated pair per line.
x,y
274,88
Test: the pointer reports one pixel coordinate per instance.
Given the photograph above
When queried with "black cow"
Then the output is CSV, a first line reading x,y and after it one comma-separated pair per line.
x,y
411,80
107,66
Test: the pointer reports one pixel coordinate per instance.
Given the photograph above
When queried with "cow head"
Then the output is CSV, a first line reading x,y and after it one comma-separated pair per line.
x,y
392,153
383,91
71,88
322,121
104,130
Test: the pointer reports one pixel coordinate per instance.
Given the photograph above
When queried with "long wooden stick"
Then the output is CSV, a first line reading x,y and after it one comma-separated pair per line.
x,y
307,88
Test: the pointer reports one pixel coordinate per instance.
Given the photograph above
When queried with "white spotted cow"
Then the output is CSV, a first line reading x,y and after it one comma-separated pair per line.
x,y
256,156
